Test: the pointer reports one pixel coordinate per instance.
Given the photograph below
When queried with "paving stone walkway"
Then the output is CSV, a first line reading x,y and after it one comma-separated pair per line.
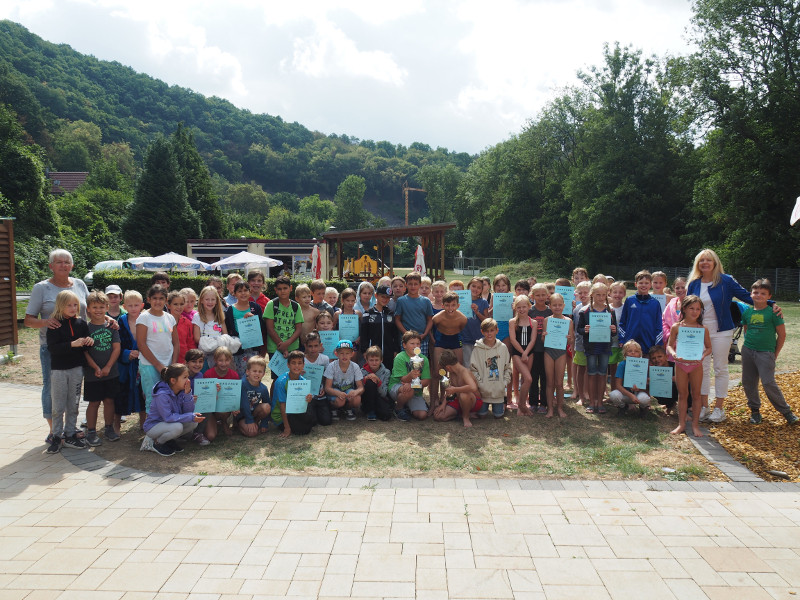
x,y
80,529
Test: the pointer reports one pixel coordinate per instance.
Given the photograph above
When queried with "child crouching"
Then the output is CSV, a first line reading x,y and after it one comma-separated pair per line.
x,y
171,413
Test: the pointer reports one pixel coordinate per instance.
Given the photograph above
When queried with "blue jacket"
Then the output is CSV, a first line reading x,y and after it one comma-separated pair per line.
x,y
169,407
722,295
641,321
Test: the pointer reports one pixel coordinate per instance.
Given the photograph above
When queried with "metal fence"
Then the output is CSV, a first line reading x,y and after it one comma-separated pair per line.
x,y
785,282
473,265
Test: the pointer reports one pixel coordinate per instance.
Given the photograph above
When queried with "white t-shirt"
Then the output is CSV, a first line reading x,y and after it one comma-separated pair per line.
x,y
709,315
343,380
159,336
211,328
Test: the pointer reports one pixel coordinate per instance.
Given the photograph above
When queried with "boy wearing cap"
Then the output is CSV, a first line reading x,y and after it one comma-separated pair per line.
x,y
378,326
343,381
114,295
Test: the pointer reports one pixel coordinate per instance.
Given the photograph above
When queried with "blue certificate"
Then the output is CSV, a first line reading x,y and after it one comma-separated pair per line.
x,y
660,382
465,303
314,374
250,332
691,343
557,332
329,340
636,373
296,392
662,300
599,327
568,292
502,303
348,327
278,364
206,392
229,397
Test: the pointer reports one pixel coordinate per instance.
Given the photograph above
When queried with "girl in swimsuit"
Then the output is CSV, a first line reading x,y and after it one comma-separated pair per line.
x,y
523,336
555,360
687,372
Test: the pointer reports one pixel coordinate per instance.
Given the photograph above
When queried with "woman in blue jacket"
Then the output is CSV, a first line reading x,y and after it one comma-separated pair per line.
x,y
717,290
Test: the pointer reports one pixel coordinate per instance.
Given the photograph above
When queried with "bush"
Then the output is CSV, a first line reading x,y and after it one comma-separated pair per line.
x,y
140,281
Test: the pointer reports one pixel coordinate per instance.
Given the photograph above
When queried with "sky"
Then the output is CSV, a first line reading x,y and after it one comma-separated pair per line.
x,y
464,75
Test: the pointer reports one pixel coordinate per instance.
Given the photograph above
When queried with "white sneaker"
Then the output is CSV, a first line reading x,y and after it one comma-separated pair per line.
x,y
717,416
704,414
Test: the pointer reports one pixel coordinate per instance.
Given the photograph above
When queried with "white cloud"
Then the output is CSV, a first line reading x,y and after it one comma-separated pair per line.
x,y
328,52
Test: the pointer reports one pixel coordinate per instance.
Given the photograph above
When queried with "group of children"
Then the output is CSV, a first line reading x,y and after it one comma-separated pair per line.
x,y
405,335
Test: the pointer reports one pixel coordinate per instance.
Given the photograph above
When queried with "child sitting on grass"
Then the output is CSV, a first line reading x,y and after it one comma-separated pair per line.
x,y
622,397
223,359
409,399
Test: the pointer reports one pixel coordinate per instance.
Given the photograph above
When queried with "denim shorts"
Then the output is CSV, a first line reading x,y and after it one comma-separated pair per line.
x,y
597,364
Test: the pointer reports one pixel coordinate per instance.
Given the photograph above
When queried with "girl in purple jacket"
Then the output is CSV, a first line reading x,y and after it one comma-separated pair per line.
x,y
171,413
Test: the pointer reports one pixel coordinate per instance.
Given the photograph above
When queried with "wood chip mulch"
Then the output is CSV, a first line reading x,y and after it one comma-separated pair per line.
x,y
771,446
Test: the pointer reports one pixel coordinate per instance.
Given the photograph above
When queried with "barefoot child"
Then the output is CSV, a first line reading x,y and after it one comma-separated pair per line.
x,y
523,335
688,372
447,327
462,394
539,312
100,374
555,359
254,409
616,295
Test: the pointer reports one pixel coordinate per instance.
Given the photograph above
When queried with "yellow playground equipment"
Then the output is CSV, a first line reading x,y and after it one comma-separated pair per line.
x,y
363,268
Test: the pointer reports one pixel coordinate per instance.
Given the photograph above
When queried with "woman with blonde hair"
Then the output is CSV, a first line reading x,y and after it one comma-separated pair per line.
x,y
716,290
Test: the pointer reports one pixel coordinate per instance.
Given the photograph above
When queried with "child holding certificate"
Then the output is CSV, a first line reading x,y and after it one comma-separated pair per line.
x,y
171,412
194,360
316,361
291,423
254,405
558,333
244,308
688,349
596,324
222,370
623,397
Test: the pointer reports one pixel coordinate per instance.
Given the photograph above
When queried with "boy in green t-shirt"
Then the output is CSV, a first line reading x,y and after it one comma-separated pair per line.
x,y
764,335
409,377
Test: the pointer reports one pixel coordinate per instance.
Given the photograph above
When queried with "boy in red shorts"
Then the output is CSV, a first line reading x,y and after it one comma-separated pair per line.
x,y
461,395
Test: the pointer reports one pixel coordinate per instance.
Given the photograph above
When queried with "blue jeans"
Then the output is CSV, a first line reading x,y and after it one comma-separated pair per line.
x,y
47,400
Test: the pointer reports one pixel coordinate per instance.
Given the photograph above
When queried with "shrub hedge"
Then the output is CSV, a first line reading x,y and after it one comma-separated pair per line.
x,y
141,282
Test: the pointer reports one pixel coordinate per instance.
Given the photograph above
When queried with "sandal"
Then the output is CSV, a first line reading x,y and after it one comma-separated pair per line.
x,y
590,409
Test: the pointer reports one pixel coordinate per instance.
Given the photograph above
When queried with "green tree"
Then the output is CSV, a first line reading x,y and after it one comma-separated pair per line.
x,y
248,198
76,144
349,210
745,80
441,184
22,180
316,209
197,180
160,219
